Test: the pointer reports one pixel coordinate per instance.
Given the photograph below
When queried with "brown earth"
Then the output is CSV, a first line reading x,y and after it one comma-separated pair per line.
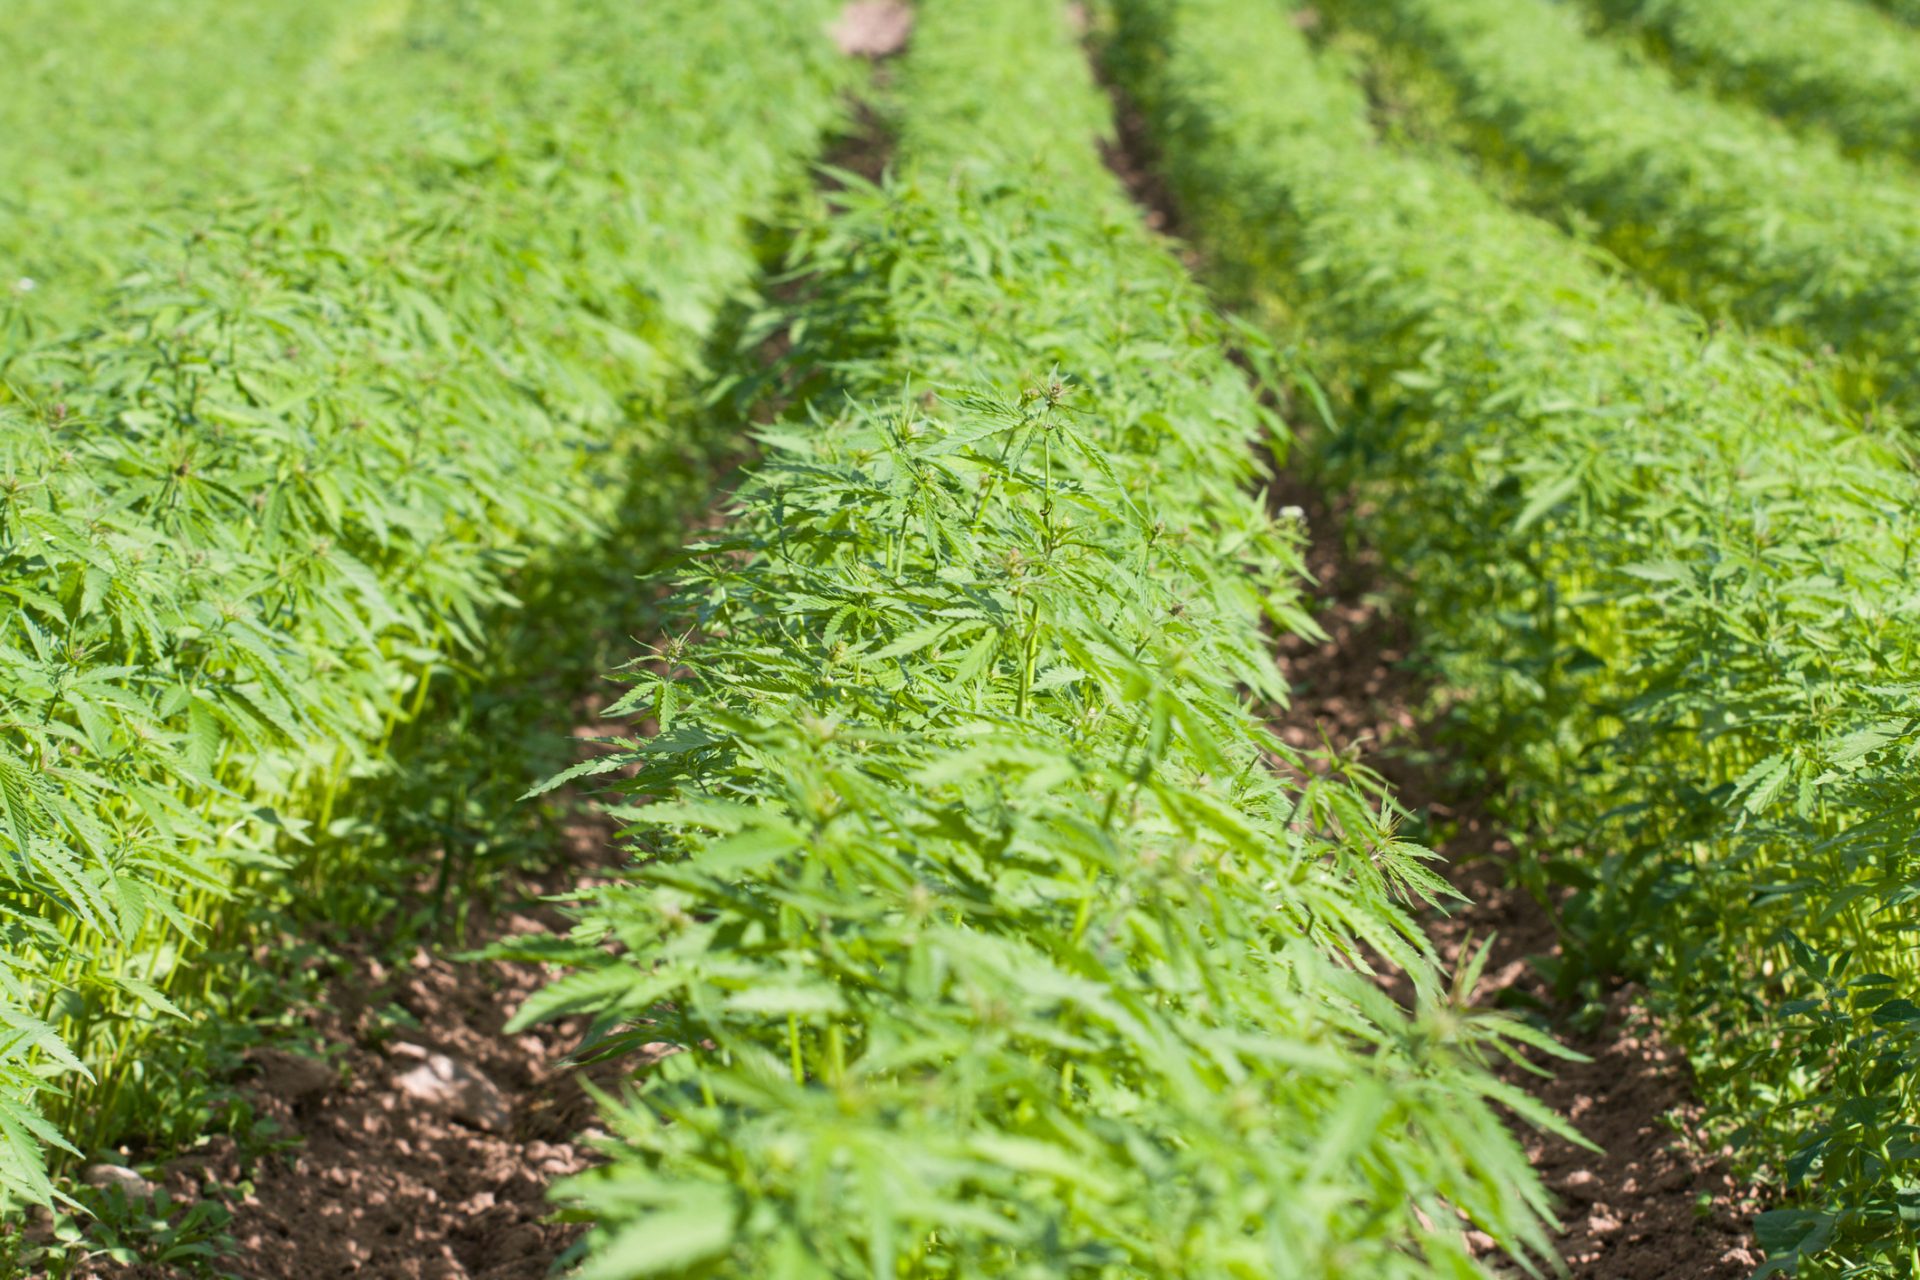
x,y
426,1137
412,1174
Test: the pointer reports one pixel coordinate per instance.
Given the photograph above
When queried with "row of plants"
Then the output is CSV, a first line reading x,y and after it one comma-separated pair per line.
x,y
119,109
977,923
1842,66
259,504
1725,209
1674,577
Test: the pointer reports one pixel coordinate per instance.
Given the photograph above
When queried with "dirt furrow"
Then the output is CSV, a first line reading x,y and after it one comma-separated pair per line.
x,y
415,1140
1653,1204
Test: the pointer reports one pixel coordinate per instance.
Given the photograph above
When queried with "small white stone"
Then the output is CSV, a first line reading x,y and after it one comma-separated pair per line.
x,y
873,28
458,1091
1581,1185
105,1176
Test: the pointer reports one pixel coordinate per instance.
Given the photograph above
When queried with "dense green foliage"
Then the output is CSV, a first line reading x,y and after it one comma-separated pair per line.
x,y
267,491
1839,65
115,114
1678,581
1720,206
977,921
1907,10
997,934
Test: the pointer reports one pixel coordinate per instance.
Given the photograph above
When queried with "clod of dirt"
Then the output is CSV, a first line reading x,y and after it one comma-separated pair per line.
x,y
873,28
454,1089
291,1077
109,1176
1581,1186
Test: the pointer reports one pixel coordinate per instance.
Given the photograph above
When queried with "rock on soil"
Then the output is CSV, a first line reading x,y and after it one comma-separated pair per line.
x,y
110,1176
453,1089
292,1078
873,28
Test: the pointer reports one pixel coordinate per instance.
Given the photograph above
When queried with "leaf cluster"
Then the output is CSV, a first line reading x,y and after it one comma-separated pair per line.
x,y
266,492
978,926
122,112
1676,577
1727,210
1845,67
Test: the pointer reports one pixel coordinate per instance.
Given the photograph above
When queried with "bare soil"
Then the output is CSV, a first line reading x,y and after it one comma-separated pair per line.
x,y
395,1184
393,1174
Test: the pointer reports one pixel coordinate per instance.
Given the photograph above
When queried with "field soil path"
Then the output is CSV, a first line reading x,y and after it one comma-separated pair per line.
x,y
422,1139
1651,1205
427,1151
